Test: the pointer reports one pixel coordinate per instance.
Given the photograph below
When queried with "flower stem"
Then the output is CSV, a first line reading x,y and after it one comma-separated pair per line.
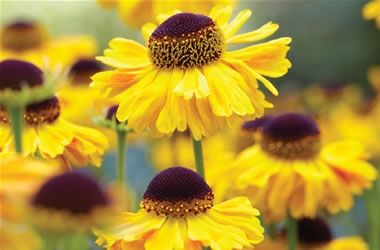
x,y
372,205
291,225
198,156
121,143
17,123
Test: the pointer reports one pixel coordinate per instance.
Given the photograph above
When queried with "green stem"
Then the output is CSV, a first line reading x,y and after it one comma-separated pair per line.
x,y
372,205
121,143
50,241
291,226
17,123
198,156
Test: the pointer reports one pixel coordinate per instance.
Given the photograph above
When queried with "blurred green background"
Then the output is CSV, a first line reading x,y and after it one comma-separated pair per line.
x,y
331,41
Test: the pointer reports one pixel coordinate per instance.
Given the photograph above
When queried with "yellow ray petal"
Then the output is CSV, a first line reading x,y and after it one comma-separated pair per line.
x,y
221,14
236,23
193,82
125,53
263,32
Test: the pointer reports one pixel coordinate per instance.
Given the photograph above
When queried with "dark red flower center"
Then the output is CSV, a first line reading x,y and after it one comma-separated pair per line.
x,y
177,191
314,231
254,125
72,192
22,35
291,136
83,69
186,40
14,74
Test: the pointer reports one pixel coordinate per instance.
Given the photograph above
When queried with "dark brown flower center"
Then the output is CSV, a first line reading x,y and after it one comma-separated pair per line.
x,y
36,114
186,40
111,112
22,35
83,69
314,231
14,74
291,136
176,192
72,192
257,124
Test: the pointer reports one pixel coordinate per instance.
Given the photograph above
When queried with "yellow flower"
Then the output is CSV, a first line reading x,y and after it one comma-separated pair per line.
x,y
178,213
289,170
372,11
29,42
71,203
54,137
314,235
344,122
20,178
138,12
323,99
185,78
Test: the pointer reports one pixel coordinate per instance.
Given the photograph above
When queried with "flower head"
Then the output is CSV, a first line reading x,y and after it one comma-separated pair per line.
x,y
186,78
290,169
178,213
53,136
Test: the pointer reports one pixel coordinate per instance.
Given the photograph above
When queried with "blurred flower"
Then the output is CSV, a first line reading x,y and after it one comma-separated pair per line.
x,y
29,41
372,11
322,99
80,103
314,235
71,202
138,12
178,213
20,178
290,170
186,78
360,124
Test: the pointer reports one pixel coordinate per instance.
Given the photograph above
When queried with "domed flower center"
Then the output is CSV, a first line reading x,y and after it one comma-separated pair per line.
x,y
111,112
20,36
314,231
14,74
82,70
71,192
254,125
36,114
291,136
177,192
186,40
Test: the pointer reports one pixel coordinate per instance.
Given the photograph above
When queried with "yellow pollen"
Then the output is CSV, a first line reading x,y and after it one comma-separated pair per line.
x,y
180,208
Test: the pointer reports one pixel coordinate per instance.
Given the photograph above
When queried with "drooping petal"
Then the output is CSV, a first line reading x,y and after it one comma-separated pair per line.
x,y
266,59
